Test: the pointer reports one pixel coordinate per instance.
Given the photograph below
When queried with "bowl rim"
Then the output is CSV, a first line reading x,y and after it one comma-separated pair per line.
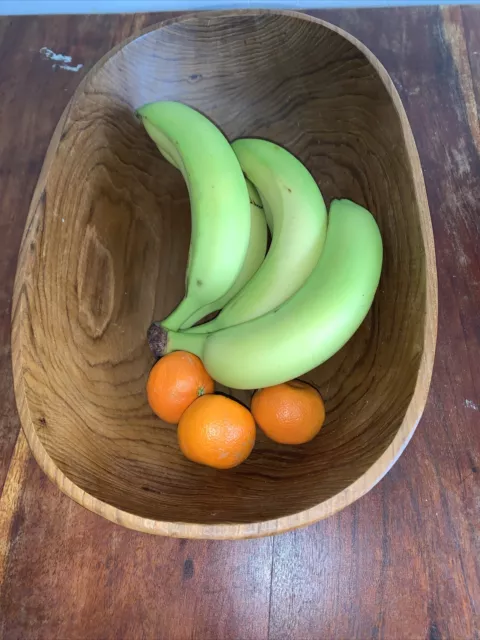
x,y
414,411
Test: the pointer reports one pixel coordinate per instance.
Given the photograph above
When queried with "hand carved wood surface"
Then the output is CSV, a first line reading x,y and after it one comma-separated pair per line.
x,y
105,250
400,563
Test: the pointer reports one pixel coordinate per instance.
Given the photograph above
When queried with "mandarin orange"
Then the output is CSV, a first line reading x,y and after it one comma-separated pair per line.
x,y
216,431
175,382
289,413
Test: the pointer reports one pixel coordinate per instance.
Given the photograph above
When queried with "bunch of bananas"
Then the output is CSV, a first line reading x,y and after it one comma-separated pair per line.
x,y
283,311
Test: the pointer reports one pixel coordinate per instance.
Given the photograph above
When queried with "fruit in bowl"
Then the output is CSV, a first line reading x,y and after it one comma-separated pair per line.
x,y
301,304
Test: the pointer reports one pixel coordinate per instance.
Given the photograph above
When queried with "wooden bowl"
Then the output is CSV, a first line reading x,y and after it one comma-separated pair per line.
x,y
104,253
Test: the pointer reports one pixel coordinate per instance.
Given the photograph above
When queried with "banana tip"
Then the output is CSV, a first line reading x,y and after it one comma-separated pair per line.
x,y
157,339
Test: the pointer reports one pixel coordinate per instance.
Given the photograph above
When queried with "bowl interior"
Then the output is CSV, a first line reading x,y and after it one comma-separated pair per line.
x,y
110,249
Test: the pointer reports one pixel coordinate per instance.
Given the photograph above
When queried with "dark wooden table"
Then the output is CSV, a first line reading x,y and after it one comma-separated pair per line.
x,y
401,563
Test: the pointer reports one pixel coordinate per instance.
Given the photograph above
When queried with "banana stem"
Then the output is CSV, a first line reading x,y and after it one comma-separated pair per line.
x,y
157,339
179,341
162,341
180,315
194,319
206,327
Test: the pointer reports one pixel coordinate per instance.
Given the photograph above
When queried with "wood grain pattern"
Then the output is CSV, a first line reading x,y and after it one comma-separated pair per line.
x,y
83,569
108,228
10,497
402,563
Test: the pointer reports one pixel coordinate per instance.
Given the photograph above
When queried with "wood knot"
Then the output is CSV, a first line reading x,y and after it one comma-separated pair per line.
x,y
96,285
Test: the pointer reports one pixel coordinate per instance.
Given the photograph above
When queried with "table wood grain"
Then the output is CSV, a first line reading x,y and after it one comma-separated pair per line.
x,y
403,562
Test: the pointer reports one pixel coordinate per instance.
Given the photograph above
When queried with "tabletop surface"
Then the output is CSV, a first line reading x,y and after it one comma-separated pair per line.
x,y
401,563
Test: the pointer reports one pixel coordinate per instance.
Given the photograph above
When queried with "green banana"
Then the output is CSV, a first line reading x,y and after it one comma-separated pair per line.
x,y
308,328
218,199
297,217
257,248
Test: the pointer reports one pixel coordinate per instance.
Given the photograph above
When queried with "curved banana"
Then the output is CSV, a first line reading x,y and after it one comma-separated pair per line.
x,y
298,222
257,248
218,199
312,325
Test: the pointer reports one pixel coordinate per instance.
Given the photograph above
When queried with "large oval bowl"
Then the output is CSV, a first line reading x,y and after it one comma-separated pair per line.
x,y
105,249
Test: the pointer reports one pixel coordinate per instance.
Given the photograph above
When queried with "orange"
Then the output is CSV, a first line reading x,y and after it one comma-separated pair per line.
x,y
216,431
289,413
175,382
